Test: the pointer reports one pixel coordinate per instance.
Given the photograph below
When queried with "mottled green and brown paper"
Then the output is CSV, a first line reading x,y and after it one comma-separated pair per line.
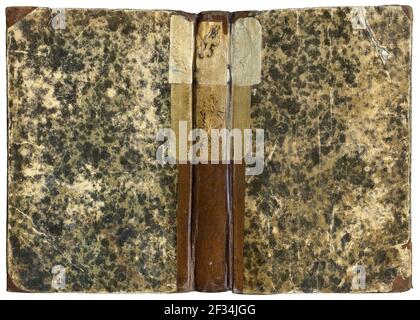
x,y
85,190
334,100
88,202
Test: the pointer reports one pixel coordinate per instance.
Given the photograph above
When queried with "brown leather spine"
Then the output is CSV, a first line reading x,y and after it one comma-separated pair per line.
x,y
211,227
211,221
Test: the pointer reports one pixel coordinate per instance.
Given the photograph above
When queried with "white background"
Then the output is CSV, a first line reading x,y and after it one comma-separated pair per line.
x,y
197,6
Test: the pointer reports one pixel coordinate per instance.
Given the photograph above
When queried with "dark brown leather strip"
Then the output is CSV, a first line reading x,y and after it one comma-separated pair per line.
x,y
14,14
211,227
185,268
238,203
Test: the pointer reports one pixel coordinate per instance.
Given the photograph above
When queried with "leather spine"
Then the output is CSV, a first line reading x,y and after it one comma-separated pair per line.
x,y
211,222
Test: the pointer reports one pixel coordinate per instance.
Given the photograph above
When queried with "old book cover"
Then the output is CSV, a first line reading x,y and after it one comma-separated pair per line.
x,y
89,208
331,210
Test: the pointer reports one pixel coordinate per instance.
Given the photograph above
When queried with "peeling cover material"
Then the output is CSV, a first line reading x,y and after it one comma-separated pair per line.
x,y
246,52
181,52
211,53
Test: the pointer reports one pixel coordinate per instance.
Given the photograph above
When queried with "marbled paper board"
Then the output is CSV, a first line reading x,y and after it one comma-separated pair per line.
x,y
89,208
331,211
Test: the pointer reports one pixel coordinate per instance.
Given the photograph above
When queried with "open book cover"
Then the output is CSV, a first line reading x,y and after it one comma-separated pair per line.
x,y
322,205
